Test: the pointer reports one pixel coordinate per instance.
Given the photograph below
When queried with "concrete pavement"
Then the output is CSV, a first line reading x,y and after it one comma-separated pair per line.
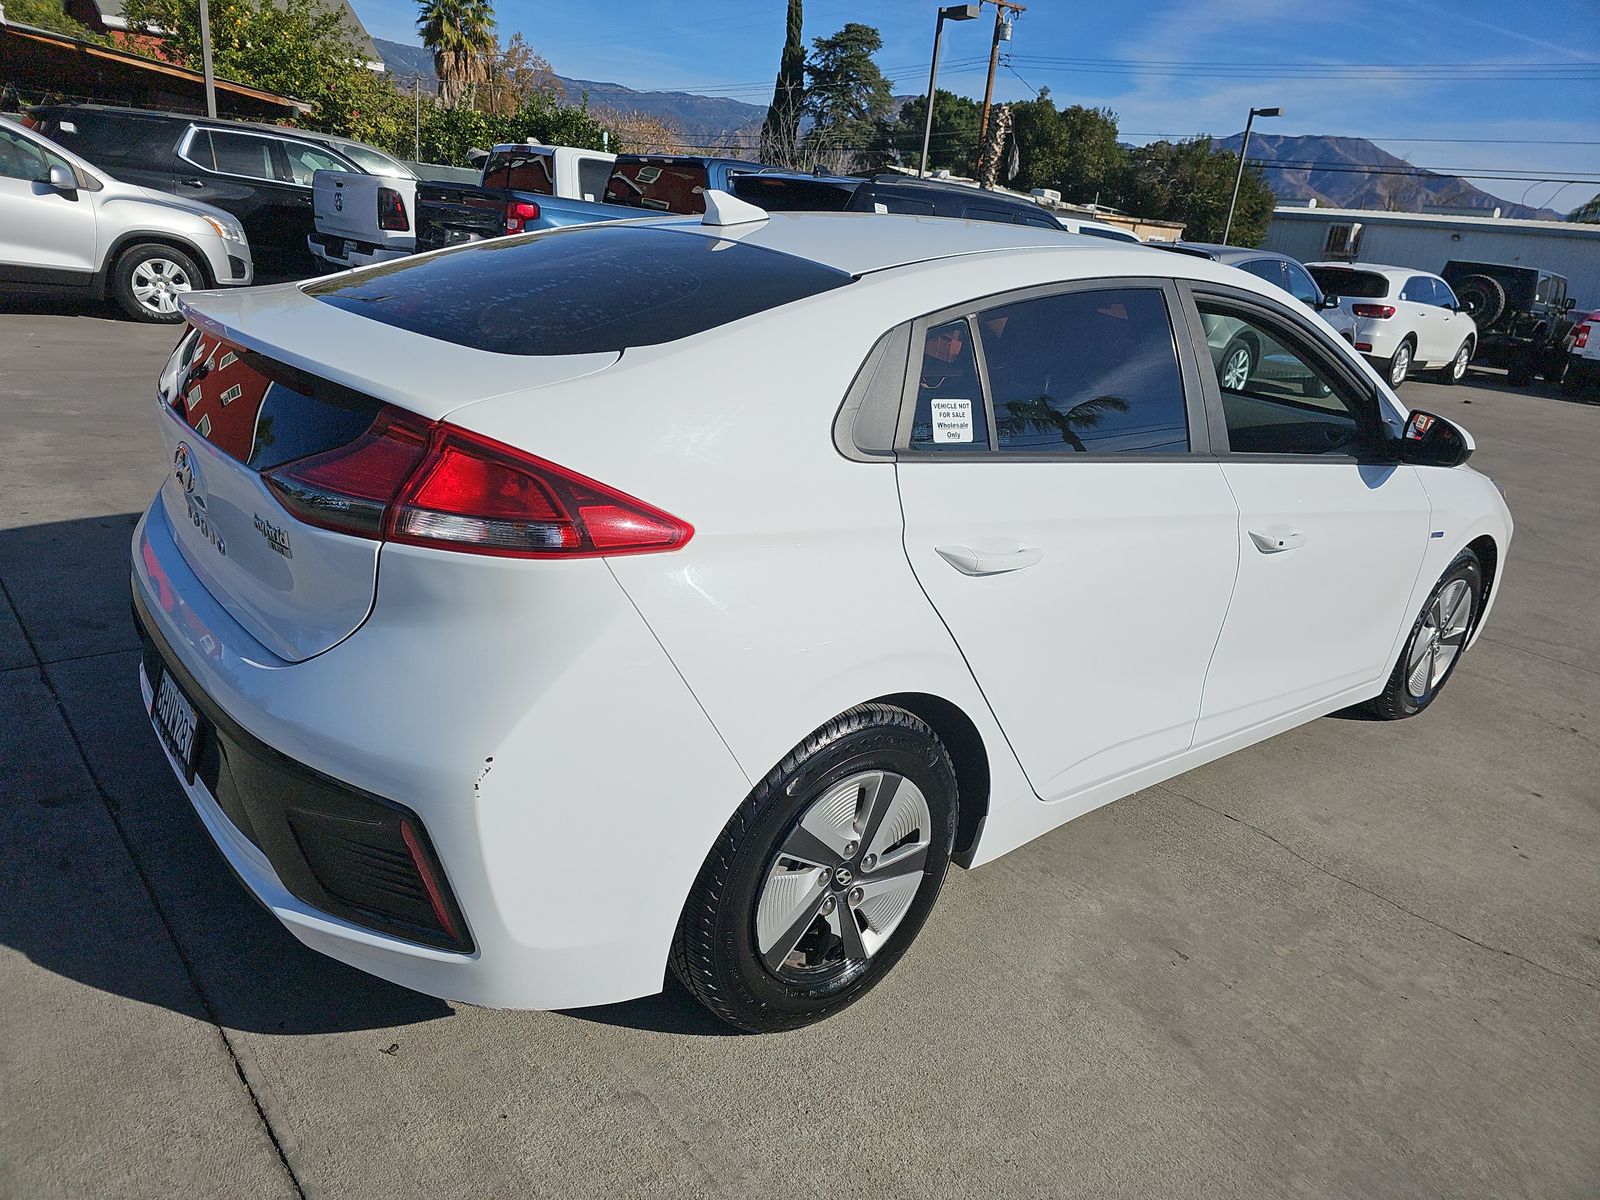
x,y
1361,959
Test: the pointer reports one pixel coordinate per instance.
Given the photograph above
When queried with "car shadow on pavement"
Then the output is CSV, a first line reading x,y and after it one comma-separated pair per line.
x,y
110,879
1496,381
672,1010
65,304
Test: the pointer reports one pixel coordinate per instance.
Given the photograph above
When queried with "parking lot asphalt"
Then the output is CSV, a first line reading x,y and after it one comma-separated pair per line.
x,y
1361,959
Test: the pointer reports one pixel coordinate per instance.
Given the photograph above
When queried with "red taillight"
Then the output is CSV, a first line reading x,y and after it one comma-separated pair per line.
x,y
434,485
1582,340
519,213
1381,311
392,211
1364,347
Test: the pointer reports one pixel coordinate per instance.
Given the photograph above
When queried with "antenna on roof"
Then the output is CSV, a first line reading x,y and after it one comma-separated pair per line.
x,y
723,209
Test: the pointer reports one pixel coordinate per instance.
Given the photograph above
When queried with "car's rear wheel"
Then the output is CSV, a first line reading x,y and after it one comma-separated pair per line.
x,y
148,279
1399,365
824,876
1455,370
1434,648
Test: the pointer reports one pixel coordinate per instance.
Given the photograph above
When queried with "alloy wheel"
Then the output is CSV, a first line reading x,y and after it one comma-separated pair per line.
x,y
157,282
1236,369
1458,369
1401,367
844,878
1439,639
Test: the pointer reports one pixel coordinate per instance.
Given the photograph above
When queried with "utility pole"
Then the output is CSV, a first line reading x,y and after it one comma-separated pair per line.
x,y
205,59
416,128
1002,33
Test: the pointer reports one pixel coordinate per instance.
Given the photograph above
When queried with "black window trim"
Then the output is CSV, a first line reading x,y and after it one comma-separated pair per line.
x,y
275,145
1191,378
1318,343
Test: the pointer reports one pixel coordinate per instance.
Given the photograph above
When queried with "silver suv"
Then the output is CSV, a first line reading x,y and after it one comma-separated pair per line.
x,y
66,226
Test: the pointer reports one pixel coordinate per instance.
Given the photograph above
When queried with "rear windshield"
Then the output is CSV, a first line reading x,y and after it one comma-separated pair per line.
x,y
521,170
1342,281
665,186
777,194
584,290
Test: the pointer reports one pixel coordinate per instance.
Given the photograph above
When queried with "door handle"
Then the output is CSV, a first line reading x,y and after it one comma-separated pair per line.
x,y
990,558
1277,538
194,183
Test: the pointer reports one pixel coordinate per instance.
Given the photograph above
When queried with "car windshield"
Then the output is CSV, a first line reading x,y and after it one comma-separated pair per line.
x,y
374,163
587,289
1343,281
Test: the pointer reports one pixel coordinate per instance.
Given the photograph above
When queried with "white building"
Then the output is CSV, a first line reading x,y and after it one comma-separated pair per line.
x,y
1427,241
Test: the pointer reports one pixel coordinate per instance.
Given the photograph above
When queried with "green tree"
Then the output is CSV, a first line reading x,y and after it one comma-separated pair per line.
x,y
298,48
953,144
1073,150
847,95
48,14
1191,182
1589,210
461,35
780,132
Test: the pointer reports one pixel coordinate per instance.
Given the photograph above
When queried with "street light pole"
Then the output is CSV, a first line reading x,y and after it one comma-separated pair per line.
x,y
205,59
953,12
1244,148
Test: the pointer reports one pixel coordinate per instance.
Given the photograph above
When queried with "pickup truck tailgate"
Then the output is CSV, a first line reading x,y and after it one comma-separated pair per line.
x,y
348,205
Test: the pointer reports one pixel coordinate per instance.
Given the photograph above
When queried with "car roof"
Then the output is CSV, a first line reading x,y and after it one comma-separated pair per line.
x,y
863,242
1229,254
308,135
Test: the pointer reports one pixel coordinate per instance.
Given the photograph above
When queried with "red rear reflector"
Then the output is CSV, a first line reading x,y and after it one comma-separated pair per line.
x,y
1582,340
1381,312
519,213
1364,346
405,480
441,911
392,211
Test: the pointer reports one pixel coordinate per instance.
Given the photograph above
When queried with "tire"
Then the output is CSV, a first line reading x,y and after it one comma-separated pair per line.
x,y
149,278
1399,364
763,942
1484,299
1454,371
1237,364
1520,372
1420,675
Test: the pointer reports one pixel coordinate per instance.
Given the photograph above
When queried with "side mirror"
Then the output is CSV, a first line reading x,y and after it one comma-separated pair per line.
x,y
1568,304
1329,302
1431,441
62,179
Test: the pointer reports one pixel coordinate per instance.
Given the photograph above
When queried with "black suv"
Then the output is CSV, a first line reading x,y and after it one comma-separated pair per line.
x,y
259,173
1523,316
780,191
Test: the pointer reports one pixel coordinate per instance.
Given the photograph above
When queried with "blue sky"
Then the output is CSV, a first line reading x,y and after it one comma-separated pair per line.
x,y
1233,54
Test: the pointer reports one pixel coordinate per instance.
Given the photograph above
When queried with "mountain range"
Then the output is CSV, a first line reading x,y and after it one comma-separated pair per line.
x,y
1340,172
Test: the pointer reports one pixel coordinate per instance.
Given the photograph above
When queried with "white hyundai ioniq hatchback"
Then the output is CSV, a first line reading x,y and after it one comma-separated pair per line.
x,y
525,618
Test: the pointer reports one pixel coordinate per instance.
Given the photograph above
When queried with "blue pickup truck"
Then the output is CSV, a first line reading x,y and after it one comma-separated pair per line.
x,y
517,194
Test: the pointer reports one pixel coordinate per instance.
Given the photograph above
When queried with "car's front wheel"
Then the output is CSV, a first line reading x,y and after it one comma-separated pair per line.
x,y
1436,642
824,876
1456,370
148,279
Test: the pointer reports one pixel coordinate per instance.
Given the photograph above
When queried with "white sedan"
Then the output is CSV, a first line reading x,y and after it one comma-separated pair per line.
x,y
525,618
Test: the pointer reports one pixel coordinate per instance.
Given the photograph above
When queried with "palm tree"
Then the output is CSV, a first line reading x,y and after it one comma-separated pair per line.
x,y
461,35
1042,416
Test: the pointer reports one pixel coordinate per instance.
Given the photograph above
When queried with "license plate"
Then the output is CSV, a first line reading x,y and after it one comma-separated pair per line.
x,y
177,722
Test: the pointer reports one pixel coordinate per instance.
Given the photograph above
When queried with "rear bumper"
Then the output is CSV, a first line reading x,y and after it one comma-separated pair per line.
x,y
565,780
349,252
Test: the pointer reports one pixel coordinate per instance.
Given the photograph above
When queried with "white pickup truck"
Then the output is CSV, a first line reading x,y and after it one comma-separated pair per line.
x,y
362,219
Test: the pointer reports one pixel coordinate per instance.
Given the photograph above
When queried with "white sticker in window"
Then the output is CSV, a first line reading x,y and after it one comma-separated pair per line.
x,y
952,420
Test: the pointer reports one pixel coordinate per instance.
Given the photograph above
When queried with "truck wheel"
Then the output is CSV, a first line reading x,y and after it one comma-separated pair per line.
x,y
1520,372
1484,298
149,278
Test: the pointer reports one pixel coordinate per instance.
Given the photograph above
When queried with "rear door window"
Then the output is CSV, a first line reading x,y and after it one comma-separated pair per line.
x,y
587,289
1270,269
903,204
232,153
1087,371
950,413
